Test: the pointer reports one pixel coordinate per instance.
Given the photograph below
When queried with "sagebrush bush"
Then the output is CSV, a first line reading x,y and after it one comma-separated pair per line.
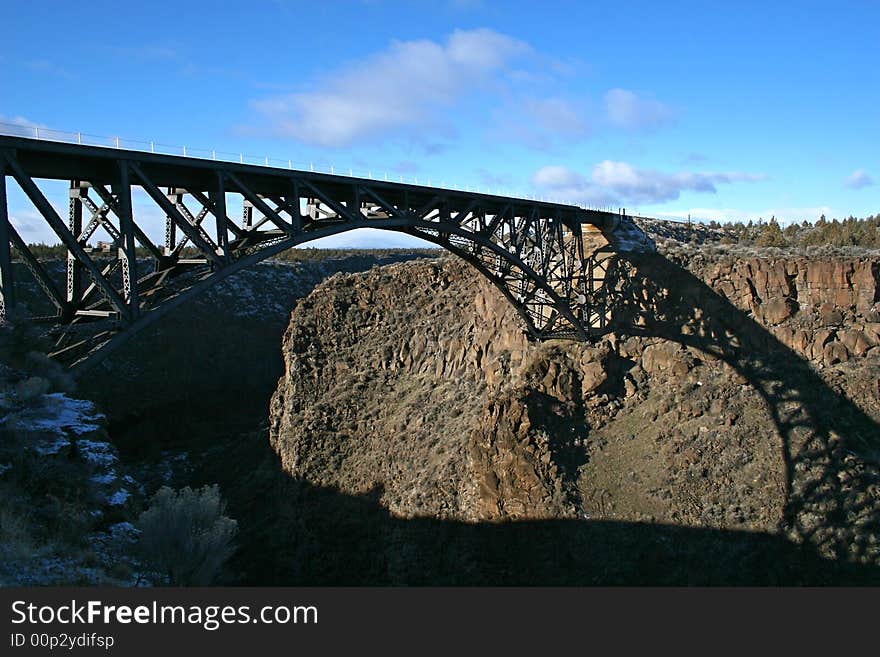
x,y
185,537
39,364
16,542
23,353
28,390
18,339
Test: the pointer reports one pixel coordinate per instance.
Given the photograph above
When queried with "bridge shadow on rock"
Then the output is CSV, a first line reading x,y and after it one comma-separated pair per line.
x,y
829,445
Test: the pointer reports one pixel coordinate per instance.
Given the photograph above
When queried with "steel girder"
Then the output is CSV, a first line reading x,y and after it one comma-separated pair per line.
x,y
534,252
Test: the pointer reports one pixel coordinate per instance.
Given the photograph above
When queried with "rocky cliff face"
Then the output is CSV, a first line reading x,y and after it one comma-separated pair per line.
x,y
388,383
416,382
826,310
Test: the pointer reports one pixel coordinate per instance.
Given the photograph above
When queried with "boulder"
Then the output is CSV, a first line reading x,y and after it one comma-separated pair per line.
x,y
856,342
835,352
777,311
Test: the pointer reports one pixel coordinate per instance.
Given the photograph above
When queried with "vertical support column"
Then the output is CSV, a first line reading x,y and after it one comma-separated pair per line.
x,y
356,203
7,294
296,212
218,199
247,216
74,267
127,253
170,232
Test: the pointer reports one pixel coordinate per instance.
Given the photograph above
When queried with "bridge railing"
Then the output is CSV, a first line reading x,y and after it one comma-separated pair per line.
x,y
32,131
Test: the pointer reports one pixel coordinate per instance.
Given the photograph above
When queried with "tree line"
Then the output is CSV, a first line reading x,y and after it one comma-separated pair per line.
x,y
851,231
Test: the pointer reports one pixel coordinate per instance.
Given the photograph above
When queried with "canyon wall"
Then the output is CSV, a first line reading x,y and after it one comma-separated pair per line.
x,y
416,383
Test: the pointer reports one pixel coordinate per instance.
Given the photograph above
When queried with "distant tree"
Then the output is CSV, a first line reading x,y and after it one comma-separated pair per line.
x,y
770,235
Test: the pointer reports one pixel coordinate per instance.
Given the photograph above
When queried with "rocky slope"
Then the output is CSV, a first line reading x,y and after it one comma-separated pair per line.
x,y
414,384
67,501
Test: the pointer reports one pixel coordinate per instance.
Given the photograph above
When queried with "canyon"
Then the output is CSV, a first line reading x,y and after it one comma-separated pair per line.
x,y
397,426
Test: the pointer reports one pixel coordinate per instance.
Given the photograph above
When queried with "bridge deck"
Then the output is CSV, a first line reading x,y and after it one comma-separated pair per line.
x,y
62,161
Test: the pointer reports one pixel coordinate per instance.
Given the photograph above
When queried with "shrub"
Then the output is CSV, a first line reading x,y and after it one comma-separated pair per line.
x,y
18,339
16,542
29,390
185,537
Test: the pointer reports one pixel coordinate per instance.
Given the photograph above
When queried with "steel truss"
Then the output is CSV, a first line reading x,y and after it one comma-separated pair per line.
x,y
535,252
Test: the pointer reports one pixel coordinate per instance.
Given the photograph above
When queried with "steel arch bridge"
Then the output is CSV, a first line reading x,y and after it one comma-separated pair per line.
x,y
548,259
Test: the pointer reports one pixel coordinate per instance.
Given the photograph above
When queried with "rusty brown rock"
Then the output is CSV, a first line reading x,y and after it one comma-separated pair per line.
x,y
835,352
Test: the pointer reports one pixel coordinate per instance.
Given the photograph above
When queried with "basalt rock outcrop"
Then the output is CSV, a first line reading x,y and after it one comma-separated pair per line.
x,y
405,379
750,402
826,310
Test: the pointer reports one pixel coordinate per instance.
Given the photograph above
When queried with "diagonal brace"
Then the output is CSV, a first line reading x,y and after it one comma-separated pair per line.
x,y
262,206
36,196
170,210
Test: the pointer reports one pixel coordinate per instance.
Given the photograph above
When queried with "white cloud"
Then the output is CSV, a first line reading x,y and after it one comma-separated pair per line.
x,y
625,109
562,182
555,176
540,123
403,87
650,186
559,116
858,179
19,125
615,182
29,223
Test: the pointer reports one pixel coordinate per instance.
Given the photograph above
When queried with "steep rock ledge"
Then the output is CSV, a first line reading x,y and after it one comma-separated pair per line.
x,y
827,310
413,379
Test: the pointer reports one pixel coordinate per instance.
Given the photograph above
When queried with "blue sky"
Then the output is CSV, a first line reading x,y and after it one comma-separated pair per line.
x,y
721,110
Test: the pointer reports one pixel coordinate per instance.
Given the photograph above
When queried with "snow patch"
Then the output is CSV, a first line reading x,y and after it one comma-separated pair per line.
x,y
98,452
61,414
119,497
